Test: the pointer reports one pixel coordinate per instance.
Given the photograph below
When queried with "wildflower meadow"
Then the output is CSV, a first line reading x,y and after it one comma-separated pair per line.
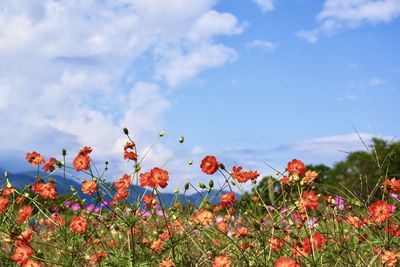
x,y
102,223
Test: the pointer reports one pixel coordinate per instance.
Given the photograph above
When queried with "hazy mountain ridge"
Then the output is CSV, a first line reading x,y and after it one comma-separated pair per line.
x,y
21,180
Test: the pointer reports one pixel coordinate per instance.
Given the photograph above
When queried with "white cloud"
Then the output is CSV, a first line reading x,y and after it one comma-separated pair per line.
x,y
265,5
339,14
376,82
63,77
181,66
264,45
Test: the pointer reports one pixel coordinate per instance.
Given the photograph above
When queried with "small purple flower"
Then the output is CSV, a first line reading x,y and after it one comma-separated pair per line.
x,y
312,222
104,203
394,208
90,208
97,209
283,210
339,202
54,209
67,204
75,206
395,197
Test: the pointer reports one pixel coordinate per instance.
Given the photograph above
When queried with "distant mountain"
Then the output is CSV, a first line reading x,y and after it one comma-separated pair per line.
x,y
26,179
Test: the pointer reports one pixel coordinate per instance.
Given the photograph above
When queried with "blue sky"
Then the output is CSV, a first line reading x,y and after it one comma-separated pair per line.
x,y
248,81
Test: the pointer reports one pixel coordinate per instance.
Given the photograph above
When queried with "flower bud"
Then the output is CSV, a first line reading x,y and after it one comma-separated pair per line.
x,y
181,139
162,133
126,131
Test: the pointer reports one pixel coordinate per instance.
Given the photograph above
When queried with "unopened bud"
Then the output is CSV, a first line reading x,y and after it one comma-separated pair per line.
x,y
64,152
222,166
181,139
190,162
176,190
211,184
137,168
202,186
126,131
162,133
186,187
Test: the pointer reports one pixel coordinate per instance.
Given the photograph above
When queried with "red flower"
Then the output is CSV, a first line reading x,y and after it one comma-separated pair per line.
x,y
78,224
227,199
23,214
242,176
46,190
81,162
296,167
314,243
286,262
130,155
380,210
167,263
275,243
3,204
309,177
22,254
85,150
89,187
148,200
124,183
308,200
49,166
160,176
157,245
222,261
34,158
156,177
392,185
242,232
129,145
31,263
209,165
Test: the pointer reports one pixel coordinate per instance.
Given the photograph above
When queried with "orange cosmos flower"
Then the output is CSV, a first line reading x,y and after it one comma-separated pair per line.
x,y
31,263
242,232
157,245
209,165
296,167
242,176
309,177
3,204
149,200
222,261
380,210
160,176
222,226
227,199
46,190
34,158
275,243
85,150
22,254
81,162
156,177
78,224
49,166
392,185
203,217
286,262
167,263
390,258
89,187
24,238
24,213
130,155
308,200
124,182
314,243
